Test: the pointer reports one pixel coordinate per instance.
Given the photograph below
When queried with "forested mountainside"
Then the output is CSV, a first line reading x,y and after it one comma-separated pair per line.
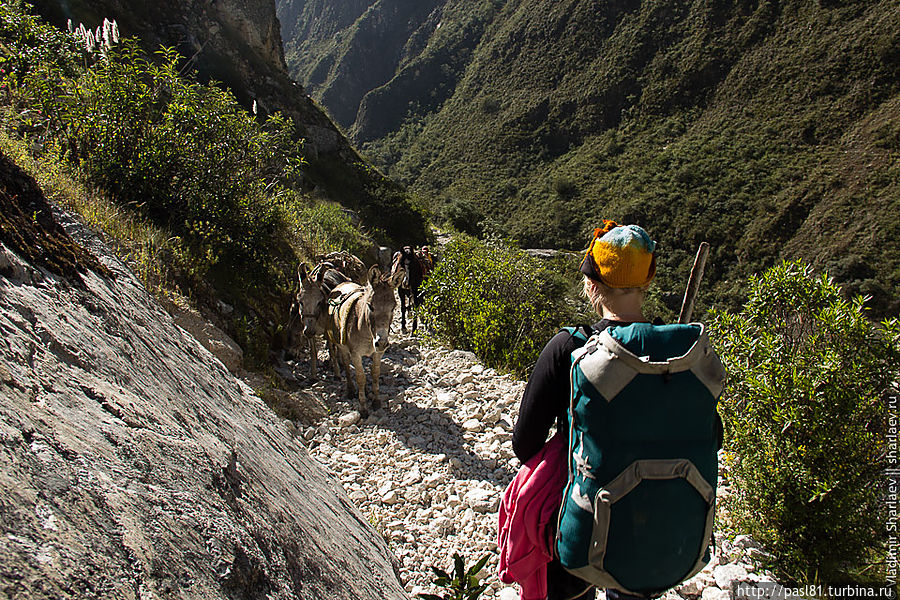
x,y
238,42
768,128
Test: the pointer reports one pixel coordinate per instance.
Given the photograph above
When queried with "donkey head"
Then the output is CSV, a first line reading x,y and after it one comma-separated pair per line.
x,y
381,303
311,301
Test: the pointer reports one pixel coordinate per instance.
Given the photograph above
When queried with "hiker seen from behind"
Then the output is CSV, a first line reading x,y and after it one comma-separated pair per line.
x,y
622,497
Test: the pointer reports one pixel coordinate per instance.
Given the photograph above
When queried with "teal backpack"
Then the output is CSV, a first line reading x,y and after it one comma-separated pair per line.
x,y
637,512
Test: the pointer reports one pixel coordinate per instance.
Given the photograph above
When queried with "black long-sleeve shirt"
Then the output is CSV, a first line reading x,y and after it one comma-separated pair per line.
x,y
546,397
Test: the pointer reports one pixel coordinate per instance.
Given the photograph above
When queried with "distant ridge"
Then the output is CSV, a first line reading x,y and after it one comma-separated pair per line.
x,y
770,129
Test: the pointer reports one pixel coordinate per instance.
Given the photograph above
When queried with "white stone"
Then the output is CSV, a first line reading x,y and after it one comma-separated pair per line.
x,y
442,525
432,481
508,594
482,500
473,425
727,574
464,378
390,498
745,542
691,587
714,593
446,398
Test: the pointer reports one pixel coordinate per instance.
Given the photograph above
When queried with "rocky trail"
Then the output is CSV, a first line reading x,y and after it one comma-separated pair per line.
x,y
428,472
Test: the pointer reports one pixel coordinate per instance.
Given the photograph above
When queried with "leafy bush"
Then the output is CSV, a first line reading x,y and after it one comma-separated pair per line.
x,y
184,154
495,300
324,227
28,43
806,422
463,215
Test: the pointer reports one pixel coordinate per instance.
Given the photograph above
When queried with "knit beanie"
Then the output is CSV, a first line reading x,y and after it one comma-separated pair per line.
x,y
621,256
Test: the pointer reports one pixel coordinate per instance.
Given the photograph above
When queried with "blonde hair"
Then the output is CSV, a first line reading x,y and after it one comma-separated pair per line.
x,y
599,294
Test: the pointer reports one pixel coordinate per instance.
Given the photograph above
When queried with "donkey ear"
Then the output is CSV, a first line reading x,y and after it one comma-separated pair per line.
x,y
397,278
320,276
374,274
302,272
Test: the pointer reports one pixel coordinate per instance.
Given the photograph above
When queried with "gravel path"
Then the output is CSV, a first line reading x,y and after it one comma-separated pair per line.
x,y
429,472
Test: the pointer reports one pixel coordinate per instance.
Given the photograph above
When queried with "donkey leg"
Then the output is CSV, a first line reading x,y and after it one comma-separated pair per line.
x,y
360,384
313,357
334,357
402,312
376,378
344,356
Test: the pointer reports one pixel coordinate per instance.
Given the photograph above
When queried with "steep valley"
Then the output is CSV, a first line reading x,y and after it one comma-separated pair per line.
x,y
767,128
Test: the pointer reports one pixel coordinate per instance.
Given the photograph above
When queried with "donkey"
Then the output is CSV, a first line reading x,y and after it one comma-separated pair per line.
x,y
309,312
408,267
358,325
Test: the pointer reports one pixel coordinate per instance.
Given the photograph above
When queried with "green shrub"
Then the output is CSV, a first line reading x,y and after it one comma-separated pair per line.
x,y
495,300
324,227
27,43
463,215
806,423
184,154
464,584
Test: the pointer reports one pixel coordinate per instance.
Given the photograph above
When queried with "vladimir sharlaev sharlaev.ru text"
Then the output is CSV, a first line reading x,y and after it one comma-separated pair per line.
x,y
893,488
765,590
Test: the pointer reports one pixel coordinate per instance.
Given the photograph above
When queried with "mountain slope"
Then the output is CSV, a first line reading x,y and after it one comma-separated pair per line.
x,y
767,128
373,63
239,43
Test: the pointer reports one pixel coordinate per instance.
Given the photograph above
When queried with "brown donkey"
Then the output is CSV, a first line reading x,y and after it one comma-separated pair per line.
x,y
358,325
309,312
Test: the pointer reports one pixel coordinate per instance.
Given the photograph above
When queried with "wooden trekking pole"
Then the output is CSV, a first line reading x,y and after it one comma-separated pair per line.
x,y
690,294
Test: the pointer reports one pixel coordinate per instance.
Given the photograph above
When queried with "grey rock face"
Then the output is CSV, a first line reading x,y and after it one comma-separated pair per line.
x,y
133,465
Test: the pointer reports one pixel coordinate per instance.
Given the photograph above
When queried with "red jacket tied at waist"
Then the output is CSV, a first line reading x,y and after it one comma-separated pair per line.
x,y
530,504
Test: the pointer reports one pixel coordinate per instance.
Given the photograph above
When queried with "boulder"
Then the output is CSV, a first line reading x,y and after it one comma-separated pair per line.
x,y
133,464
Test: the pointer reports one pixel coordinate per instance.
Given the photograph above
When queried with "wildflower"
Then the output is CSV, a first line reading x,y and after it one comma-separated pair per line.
x,y
107,34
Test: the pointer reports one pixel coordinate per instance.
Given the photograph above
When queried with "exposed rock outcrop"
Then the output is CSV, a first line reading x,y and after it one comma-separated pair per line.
x,y
133,465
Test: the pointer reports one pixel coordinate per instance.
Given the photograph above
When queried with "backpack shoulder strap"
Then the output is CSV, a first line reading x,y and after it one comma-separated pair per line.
x,y
581,332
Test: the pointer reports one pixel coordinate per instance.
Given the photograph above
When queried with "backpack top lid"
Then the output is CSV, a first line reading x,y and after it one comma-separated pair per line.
x,y
658,342
613,357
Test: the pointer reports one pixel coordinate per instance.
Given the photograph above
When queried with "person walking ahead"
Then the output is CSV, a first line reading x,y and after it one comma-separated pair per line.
x,y
617,274
618,267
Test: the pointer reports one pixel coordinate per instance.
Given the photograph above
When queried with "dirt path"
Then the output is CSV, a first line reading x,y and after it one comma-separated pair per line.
x,y
428,472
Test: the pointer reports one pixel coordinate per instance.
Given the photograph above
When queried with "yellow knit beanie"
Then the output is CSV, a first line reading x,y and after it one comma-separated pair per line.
x,y
621,256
